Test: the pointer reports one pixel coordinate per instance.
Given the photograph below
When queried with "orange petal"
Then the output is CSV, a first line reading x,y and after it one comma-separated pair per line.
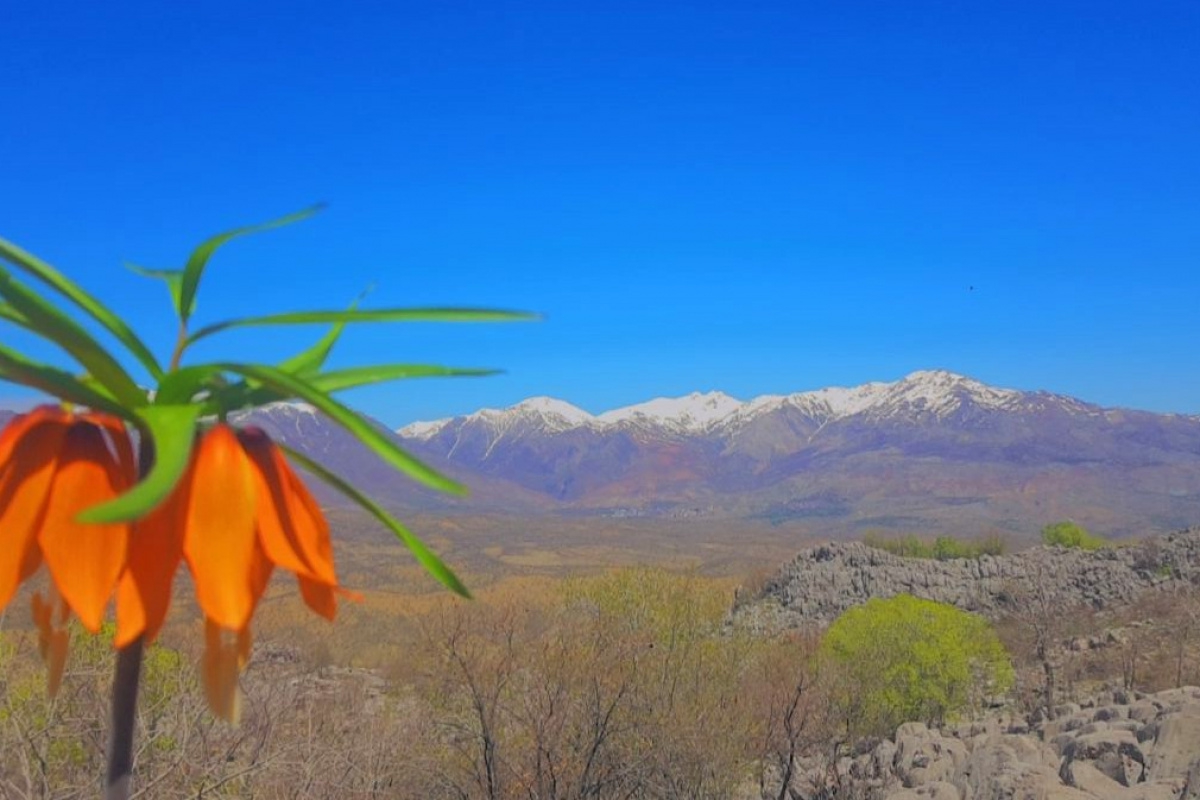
x,y
277,528
53,637
29,448
219,541
155,549
84,560
220,667
320,597
21,424
260,575
118,438
312,529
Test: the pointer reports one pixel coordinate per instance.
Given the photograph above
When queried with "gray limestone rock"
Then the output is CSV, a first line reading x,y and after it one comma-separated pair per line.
x,y
1076,758
822,582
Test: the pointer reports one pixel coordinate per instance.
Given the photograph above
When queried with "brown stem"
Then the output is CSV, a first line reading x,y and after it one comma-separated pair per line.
x,y
118,783
180,344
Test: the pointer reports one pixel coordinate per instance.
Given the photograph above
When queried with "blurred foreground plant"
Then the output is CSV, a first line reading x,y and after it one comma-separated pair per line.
x,y
223,500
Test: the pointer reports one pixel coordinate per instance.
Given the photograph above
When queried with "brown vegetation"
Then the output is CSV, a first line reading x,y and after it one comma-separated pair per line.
x,y
627,684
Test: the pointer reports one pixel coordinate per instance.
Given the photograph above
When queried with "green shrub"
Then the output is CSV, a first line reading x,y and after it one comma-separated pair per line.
x,y
943,548
1071,534
905,659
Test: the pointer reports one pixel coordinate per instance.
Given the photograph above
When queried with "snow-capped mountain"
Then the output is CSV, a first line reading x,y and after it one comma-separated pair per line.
x,y
696,413
933,393
933,452
921,452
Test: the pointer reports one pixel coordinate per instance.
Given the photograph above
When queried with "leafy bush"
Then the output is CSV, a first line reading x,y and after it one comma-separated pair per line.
x,y
943,548
1071,534
905,659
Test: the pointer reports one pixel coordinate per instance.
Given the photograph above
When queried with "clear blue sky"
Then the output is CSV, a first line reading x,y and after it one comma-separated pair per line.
x,y
752,197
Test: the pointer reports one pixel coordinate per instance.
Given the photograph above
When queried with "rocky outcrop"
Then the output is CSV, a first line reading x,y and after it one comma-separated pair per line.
x,y
822,582
1122,746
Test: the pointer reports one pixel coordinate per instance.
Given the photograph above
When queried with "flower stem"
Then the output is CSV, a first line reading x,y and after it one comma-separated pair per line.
x,y
118,781
117,785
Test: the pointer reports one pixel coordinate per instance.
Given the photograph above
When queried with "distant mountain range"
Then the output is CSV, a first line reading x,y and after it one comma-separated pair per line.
x,y
934,452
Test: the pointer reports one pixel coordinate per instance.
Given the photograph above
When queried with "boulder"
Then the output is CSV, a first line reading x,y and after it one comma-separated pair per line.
x,y
1115,753
1177,745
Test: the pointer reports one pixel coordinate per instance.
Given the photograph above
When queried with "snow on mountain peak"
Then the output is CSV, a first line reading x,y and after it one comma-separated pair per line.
x,y
422,430
544,412
926,391
693,413
939,392
548,406
292,409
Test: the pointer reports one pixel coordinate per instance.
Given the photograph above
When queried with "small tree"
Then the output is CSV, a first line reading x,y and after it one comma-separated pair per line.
x,y
905,659
1071,534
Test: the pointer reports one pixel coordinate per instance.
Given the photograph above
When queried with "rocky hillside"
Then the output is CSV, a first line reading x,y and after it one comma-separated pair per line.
x,y
1120,746
822,582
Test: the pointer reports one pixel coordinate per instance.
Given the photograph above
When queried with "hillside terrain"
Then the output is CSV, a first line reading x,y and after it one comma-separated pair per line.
x,y
934,452
1089,632
823,581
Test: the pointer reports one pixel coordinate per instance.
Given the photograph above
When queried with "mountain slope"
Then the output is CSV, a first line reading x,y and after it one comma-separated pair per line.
x,y
933,451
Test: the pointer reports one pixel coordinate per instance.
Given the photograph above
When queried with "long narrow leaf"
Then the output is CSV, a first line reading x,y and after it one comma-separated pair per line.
x,y
194,269
173,278
310,361
370,315
342,379
15,368
46,320
243,395
12,315
388,450
173,430
425,557
94,308
304,364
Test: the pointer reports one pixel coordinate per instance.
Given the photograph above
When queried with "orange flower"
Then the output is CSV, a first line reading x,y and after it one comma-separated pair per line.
x,y
54,464
237,513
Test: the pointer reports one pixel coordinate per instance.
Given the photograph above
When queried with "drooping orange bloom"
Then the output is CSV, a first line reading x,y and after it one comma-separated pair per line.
x,y
237,513
54,464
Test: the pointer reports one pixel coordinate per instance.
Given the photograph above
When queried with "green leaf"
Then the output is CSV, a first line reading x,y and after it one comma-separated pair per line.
x,y
342,379
372,315
304,364
194,269
182,385
368,434
172,277
310,361
44,319
12,315
173,431
93,307
16,368
252,394
425,557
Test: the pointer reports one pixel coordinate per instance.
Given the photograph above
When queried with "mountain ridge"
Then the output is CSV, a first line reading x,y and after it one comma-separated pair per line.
x,y
932,453
925,391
